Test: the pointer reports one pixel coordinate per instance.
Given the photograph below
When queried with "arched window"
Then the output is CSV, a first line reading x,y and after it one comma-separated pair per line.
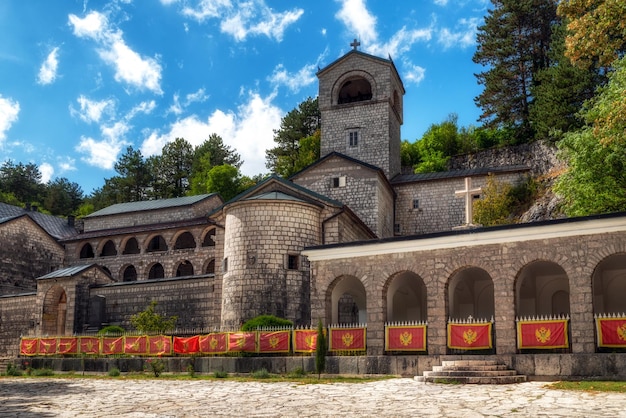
x,y
185,240
209,238
157,243
86,251
210,268
108,250
355,90
185,268
130,274
131,247
156,272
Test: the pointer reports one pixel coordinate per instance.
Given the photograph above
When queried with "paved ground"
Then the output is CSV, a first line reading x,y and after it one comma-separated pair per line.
x,y
200,398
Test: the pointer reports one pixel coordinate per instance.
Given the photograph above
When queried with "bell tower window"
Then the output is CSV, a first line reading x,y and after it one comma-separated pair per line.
x,y
355,90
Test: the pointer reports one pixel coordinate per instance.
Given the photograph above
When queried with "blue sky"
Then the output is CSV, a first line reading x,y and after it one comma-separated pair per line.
x,y
82,80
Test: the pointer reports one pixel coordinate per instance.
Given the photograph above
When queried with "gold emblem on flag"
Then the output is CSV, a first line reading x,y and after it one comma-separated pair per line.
x,y
213,343
542,334
274,340
621,332
347,339
406,338
470,336
309,340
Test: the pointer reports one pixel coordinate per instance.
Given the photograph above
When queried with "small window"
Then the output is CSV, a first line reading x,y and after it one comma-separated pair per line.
x,y
353,139
225,265
396,229
416,203
292,262
338,182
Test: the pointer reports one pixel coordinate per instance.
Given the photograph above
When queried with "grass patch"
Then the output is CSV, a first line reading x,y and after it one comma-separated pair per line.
x,y
590,386
220,374
42,372
114,372
261,374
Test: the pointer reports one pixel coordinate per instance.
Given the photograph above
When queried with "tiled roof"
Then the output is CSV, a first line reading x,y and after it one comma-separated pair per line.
x,y
66,272
57,227
413,178
149,205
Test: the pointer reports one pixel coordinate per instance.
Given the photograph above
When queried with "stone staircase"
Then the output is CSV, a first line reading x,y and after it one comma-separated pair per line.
x,y
486,372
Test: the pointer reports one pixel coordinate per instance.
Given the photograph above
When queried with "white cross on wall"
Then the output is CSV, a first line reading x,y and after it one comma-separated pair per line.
x,y
468,193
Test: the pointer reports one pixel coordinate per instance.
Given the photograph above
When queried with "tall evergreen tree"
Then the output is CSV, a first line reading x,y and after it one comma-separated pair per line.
x,y
62,197
172,169
134,176
23,181
513,43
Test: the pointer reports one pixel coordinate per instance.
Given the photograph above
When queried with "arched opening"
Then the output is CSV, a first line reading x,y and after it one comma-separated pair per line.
x,y
348,304
157,243
209,238
156,272
108,250
609,285
131,247
54,311
210,267
87,251
355,89
542,288
130,274
470,293
406,298
184,241
184,268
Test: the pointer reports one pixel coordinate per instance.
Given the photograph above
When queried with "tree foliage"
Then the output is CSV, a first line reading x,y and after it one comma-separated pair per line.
x,y
23,181
62,197
494,208
320,350
265,321
150,321
513,43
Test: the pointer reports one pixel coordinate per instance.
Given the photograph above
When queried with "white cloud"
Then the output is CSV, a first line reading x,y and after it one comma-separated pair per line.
x,y
48,69
143,107
358,20
91,110
47,171
441,2
130,67
412,73
249,130
67,164
178,108
208,9
293,81
400,42
464,34
101,153
9,109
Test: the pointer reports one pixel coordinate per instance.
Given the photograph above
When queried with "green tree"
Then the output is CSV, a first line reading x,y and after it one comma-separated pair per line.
x,y
320,350
62,197
595,181
150,321
301,122
513,43
437,145
218,152
22,181
134,176
409,153
495,206
225,180
172,169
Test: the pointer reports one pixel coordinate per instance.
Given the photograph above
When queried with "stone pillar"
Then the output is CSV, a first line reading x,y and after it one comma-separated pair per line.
x,y
581,313
375,322
504,307
437,318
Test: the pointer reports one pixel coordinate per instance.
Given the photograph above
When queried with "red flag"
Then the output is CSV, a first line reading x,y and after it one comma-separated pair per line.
x,y
542,334
405,338
47,346
611,332
159,345
113,345
274,341
304,340
242,342
470,336
67,345
214,343
89,345
347,339
29,346
136,344
189,345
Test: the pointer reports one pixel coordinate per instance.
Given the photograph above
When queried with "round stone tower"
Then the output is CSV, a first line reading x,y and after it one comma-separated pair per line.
x,y
263,272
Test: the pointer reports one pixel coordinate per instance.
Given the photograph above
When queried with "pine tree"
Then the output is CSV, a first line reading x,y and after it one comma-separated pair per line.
x,y
320,350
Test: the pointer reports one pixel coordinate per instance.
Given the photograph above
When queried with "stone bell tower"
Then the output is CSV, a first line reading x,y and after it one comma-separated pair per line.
x,y
360,99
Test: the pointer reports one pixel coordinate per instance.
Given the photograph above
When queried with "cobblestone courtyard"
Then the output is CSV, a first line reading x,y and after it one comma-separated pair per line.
x,y
57,397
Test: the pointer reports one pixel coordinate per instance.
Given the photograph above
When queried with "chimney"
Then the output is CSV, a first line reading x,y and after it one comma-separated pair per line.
x,y
35,208
27,208
70,220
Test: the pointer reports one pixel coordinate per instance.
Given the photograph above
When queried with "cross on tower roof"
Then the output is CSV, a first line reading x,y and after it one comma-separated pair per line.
x,y
354,44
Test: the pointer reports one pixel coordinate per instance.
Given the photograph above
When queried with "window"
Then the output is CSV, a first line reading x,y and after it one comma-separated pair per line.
x,y
338,182
416,203
225,265
396,229
353,139
292,262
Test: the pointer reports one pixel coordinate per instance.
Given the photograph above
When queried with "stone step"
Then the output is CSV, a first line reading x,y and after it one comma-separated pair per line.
x,y
493,380
469,363
470,373
493,367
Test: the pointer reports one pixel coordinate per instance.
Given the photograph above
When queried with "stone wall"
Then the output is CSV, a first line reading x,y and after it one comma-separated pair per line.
x,y
18,316
196,301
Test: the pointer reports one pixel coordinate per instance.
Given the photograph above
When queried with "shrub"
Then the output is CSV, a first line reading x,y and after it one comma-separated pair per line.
x,y
111,330
157,366
261,374
299,372
191,371
114,372
220,374
12,370
43,372
262,321
320,350
150,321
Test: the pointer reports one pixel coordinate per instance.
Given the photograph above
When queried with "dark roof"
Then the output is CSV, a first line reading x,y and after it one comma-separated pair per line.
x,y
414,178
145,205
274,196
67,272
56,227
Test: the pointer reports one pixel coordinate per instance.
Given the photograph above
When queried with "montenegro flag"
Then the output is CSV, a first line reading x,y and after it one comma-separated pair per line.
x,y
214,343
89,345
113,345
242,342
542,334
470,336
47,346
29,346
347,339
611,332
67,345
189,345
136,344
159,345
304,340
274,341
405,338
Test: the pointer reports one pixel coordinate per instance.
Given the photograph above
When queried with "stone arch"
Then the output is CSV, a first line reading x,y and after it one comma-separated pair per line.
x,y
346,89
54,317
209,268
108,249
470,292
156,243
609,285
86,251
542,288
184,268
209,238
346,301
156,271
129,273
185,240
131,246
406,297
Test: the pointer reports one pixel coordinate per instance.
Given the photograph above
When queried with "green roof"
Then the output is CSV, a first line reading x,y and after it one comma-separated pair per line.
x,y
145,205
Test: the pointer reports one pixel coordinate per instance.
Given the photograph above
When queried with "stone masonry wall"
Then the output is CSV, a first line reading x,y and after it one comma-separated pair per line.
x,y
17,317
32,253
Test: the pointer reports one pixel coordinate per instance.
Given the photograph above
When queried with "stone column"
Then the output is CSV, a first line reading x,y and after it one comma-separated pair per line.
x,y
437,317
581,312
504,307
375,321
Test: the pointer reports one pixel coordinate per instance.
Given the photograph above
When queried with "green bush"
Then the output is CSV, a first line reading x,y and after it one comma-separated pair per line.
x,y
262,321
12,370
43,372
112,330
299,372
261,374
157,366
114,372
220,374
